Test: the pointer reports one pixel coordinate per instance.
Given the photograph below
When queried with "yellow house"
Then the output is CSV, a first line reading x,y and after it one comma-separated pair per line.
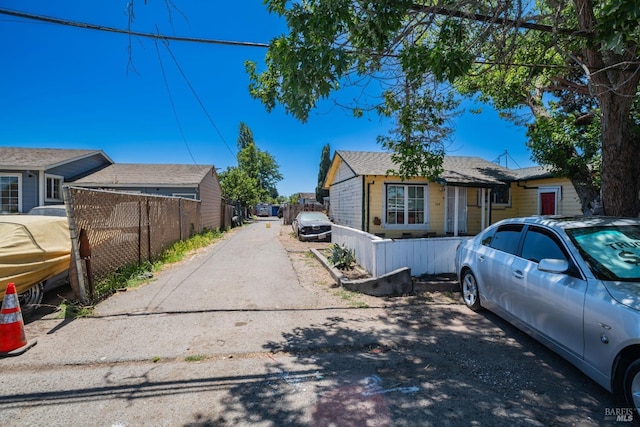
x,y
471,194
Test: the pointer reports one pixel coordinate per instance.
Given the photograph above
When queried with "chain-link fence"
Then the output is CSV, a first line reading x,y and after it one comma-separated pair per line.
x,y
110,230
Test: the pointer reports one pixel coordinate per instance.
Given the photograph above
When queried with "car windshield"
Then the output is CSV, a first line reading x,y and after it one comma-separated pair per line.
x,y
313,216
613,252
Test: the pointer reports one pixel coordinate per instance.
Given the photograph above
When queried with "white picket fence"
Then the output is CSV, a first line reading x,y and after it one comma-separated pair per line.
x,y
434,255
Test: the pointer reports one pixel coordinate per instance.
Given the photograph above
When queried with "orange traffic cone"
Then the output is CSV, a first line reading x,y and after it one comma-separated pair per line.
x,y
12,338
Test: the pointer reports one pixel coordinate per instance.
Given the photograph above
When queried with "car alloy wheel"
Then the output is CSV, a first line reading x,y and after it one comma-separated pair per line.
x,y
470,293
31,298
632,387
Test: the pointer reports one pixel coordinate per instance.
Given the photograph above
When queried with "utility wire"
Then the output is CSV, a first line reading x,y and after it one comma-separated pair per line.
x,y
87,26
156,37
173,105
184,76
130,33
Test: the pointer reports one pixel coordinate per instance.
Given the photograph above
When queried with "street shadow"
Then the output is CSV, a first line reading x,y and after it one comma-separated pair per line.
x,y
416,365
408,365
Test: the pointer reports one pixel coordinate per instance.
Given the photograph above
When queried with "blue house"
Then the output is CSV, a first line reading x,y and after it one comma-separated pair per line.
x,y
34,176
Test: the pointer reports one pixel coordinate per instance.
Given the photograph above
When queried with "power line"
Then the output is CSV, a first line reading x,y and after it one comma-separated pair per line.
x,y
173,106
88,26
195,94
155,37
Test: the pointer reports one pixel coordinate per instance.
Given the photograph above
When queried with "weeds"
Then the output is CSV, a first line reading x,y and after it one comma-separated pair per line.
x,y
351,298
69,310
195,358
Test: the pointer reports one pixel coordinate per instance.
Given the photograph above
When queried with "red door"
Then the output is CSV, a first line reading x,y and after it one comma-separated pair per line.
x,y
547,203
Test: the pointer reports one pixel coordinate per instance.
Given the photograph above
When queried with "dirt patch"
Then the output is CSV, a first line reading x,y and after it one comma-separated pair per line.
x,y
436,289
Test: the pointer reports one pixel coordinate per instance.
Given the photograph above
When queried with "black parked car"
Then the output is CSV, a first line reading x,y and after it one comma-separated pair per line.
x,y
312,226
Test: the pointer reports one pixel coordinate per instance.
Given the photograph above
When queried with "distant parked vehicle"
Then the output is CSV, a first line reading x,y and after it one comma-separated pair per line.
x,y
263,211
312,226
49,210
571,283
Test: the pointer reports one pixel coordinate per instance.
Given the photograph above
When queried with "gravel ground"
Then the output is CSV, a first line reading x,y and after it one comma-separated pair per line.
x,y
479,369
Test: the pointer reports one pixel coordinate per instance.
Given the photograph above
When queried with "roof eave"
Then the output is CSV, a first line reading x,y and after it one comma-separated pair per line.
x,y
74,159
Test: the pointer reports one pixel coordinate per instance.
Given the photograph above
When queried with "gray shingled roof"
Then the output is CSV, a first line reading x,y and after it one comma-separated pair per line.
x,y
461,170
534,172
123,174
41,158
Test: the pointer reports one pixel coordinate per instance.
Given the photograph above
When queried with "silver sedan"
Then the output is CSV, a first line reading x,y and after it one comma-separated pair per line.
x,y
571,283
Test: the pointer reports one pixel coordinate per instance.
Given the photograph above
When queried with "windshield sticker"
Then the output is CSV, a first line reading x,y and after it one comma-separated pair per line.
x,y
614,250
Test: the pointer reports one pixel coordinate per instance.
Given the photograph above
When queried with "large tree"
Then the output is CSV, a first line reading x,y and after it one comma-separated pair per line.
x,y
537,55
255,178
238,187
325,164
245,137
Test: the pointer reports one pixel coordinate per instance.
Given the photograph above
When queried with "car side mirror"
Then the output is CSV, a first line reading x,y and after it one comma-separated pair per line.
x,y
551,265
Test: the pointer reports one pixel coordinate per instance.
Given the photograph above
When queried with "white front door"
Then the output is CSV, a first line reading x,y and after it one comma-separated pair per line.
x,y
456,210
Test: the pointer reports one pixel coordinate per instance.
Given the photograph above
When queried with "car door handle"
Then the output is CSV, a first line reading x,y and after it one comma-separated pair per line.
x,y
518,274
480,258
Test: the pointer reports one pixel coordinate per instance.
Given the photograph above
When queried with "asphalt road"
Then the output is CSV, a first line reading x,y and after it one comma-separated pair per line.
x,y
234,336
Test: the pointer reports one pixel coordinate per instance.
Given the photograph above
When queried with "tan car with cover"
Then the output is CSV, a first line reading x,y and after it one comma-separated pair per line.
x,y
33,250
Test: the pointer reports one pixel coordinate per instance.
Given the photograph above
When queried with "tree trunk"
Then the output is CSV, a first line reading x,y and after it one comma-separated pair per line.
x,y
613,79
590,200
620,161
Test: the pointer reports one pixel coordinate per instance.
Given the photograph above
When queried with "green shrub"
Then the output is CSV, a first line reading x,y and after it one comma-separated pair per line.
x,y
341,257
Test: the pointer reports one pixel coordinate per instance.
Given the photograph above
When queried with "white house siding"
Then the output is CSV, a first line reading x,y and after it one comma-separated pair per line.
x,y
345,194
211,198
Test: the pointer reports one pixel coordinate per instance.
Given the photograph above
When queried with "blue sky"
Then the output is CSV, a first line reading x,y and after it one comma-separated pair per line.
x,y
65,87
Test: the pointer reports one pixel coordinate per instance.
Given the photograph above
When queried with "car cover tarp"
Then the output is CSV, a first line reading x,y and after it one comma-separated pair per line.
x,y
32,249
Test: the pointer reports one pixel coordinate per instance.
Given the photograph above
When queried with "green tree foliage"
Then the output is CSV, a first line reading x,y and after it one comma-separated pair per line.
x,y
255,178
245,138
580,55
238,186
325,164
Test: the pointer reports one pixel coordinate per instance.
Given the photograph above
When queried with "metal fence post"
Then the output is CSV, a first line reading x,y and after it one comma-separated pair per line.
x,y
75,246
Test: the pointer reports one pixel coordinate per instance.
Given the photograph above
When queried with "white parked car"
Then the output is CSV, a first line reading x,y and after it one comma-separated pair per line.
x,y
571,283
49,210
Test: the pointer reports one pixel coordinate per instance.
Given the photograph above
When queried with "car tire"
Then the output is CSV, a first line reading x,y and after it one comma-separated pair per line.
x,y
631,387
31,299
470,292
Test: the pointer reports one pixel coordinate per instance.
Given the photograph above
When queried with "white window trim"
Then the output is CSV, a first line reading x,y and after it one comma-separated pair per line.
x,y
551,189
19,176
490,195
423,226
192,196
48,176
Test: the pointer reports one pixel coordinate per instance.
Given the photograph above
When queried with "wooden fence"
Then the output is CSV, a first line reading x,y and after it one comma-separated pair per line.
x,y
289,211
